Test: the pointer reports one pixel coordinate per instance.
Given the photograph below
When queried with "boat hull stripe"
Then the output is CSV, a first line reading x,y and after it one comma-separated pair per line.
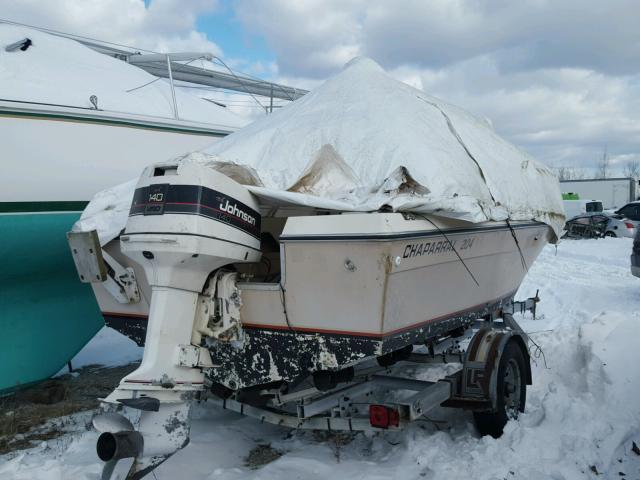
x,y
159,199
404,235
43,206
112,122
284,328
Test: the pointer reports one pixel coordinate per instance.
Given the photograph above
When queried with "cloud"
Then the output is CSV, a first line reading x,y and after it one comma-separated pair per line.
x,y
563,116
558,79
312,37
164,25
595,35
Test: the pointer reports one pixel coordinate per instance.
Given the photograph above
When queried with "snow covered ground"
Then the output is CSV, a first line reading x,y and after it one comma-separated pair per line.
x,y
583,410
108,348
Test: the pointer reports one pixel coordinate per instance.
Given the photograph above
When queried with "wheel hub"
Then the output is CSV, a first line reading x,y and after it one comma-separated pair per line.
x,y
512,387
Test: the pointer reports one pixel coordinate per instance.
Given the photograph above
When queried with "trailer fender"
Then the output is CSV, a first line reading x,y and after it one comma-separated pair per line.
x,y
476,387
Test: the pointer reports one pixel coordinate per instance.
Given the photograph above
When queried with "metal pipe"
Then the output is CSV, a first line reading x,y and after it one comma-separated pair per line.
x,y
117,445
437,358
271,100
429,398
401,383
188,73
173,90
326,403
174,57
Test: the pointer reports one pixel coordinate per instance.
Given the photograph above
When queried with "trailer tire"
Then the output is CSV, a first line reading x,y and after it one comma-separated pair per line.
x,y
511,395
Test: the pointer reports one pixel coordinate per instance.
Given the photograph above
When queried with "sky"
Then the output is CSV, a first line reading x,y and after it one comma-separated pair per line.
x,y
560,79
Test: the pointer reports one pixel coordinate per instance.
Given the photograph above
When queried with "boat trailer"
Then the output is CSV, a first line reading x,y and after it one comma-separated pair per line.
x,y
371,396
353,405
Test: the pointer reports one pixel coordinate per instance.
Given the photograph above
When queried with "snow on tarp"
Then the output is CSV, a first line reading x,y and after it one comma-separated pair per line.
x,y
363,141
61,71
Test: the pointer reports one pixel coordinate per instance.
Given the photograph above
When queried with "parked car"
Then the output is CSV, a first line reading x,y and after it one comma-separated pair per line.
x,y
597,225
635,255
631,212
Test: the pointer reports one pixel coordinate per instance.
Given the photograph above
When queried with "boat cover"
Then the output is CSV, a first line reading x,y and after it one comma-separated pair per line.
x,y
363,141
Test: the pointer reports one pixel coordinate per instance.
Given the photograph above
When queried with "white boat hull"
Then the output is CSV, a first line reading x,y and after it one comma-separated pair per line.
x,y
53,154
398,281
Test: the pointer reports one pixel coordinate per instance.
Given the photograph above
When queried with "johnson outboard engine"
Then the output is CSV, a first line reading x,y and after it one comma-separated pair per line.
x,y
186,221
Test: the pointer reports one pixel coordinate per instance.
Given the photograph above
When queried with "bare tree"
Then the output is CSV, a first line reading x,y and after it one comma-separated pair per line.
x,y
603,165
569,173
632,169
577,174
563,173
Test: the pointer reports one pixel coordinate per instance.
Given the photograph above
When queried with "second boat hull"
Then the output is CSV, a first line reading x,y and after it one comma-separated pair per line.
x,y
47,315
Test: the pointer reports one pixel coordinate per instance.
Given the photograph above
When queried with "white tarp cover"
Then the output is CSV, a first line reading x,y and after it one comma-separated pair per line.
x,y
363,140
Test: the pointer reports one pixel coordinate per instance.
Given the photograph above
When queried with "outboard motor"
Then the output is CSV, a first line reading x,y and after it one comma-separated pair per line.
x,y
186,221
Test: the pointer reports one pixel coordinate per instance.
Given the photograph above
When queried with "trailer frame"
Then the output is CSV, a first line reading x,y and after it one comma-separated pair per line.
x,y
473,386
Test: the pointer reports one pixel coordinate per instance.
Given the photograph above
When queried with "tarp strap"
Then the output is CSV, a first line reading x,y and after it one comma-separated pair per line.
x,y
515,239
452,247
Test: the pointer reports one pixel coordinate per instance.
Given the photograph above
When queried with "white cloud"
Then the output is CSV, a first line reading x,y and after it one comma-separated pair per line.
x,y
559,79
312,38
165,25
563,115
526,34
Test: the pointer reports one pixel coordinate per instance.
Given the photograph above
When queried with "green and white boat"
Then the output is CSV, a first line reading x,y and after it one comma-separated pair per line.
x,y
54,159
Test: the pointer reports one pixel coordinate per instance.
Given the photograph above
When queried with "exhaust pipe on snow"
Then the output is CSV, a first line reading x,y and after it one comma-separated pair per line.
x,y
159,435
119,445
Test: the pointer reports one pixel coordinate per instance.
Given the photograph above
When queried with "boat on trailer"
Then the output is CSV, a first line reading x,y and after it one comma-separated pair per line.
x,y
260,323
300,308
369,282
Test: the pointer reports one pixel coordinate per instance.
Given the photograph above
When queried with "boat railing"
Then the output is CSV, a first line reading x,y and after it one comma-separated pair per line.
x,y
122,115
44,104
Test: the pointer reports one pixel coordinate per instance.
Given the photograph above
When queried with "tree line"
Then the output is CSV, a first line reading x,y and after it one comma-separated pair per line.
x,y
603,170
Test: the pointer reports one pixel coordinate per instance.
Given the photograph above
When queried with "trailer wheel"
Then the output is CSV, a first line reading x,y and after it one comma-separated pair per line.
x,y
511,392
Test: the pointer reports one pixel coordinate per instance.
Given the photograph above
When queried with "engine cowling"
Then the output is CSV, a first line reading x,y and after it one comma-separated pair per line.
x,y
188,220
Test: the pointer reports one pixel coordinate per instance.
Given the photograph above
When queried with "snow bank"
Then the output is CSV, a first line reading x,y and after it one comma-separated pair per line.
x,y
363,141
61,71
582,410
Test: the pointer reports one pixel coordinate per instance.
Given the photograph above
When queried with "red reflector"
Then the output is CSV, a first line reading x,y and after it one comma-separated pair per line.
x,y
381,416
628,225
